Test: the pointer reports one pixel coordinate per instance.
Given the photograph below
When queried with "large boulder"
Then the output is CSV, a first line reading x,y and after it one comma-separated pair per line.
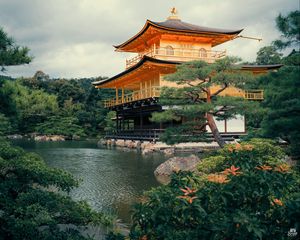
x,y
175,164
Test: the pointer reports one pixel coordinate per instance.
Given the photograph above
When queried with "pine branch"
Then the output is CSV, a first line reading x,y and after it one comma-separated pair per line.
x,y
220,90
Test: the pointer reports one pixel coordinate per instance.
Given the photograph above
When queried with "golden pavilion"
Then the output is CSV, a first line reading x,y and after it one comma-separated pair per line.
x,y
159,48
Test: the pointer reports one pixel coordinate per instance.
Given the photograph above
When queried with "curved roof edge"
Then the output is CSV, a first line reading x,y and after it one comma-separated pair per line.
x,y
154,60
267,66
179,26
136,66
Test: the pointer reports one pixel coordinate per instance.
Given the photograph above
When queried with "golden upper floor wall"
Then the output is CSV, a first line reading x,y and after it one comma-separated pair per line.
x,y
175,40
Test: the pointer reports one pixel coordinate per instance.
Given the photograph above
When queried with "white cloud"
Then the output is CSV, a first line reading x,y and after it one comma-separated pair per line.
x,y
75,38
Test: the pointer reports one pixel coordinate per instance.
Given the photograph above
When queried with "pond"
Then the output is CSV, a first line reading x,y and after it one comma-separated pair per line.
x,y
112,179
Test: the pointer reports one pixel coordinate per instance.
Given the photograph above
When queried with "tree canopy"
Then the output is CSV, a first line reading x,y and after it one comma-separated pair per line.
x,y
10,53
53,106
280,109
268,55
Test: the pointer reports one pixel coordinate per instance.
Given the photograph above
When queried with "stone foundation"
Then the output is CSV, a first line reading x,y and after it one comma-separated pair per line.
x,y
147,147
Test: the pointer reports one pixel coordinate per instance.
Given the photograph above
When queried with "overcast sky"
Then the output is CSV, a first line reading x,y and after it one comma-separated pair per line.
x,y
74,38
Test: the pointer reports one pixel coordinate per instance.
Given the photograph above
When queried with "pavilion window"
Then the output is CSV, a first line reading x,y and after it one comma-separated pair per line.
x,y
169,50
202,53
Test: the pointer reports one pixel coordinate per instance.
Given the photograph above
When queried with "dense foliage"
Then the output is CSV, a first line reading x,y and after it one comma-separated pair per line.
x,y
26,106
5,126
32,203
278,115
282,101
246,191
53,106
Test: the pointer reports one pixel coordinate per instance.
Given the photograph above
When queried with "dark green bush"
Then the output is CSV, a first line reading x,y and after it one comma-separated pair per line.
x,y
246,192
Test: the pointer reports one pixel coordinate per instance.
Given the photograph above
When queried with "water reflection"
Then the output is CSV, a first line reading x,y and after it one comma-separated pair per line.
x,y
112,179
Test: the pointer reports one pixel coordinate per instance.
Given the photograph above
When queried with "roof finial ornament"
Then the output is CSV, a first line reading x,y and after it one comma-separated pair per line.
x,y
174,14
174,11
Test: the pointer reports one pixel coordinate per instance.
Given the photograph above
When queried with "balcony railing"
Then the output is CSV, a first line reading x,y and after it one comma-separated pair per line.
x,y
254,95
178,54
133,96
155,92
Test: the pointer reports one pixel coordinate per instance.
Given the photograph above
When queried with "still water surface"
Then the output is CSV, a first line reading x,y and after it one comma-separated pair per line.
x,y
112,179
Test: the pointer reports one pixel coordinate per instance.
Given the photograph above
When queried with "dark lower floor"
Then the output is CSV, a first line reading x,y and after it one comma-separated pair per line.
x,y
135,123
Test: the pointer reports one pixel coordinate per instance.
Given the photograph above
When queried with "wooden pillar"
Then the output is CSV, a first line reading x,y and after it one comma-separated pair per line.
x,y
146,90
122,94
141,90
117,95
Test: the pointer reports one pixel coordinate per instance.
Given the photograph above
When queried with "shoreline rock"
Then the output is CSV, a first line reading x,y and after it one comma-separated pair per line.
x,y
175,164
49,138
15,136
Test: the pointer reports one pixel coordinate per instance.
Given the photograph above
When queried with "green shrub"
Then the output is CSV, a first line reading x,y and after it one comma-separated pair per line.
x,y
246,192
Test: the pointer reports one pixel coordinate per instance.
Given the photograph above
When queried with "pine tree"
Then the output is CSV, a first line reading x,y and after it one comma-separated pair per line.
x,y
199,102
10,53
289,27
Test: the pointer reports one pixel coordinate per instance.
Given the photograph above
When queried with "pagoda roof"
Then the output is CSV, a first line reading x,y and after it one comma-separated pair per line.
x,y
137,66
177,24
179,27
154,61
259,69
